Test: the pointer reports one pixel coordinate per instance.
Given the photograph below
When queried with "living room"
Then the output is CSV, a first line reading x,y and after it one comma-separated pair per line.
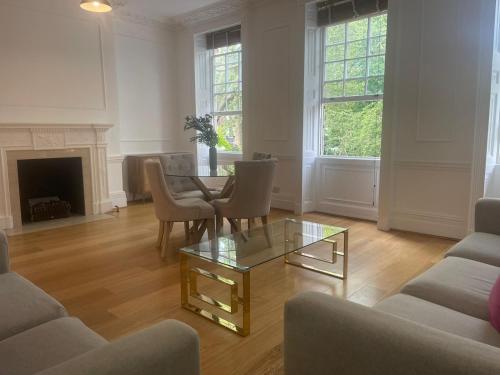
x,y
155,154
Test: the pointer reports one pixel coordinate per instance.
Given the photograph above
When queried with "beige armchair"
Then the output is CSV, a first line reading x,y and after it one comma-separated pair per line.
x,y
251,197
169,210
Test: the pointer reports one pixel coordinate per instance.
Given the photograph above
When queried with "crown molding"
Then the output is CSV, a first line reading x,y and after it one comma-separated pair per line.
x,y
120,12
211,12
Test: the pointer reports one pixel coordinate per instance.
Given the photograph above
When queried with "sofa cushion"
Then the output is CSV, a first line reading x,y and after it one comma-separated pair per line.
x,y
24,306
439,317
460,284
481,247
46,345
494,305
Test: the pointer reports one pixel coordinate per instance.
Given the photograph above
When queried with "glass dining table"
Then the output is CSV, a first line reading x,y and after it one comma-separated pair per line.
x,y
203,173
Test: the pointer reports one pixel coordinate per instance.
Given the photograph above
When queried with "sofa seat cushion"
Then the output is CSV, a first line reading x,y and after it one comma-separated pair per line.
x,y
460,284
46,345
439,317
481,247
24,306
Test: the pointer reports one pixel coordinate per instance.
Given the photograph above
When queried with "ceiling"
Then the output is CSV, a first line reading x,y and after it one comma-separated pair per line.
x,y
162,9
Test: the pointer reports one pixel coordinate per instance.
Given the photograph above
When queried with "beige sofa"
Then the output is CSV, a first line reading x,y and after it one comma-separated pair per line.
x,y
437,324
38,337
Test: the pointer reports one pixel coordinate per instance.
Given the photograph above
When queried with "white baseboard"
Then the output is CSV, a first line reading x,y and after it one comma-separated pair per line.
x,y
118,198
283,202
6,222
359,212
429,223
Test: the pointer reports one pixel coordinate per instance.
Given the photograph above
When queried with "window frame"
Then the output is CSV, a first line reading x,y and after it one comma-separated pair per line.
x,y
213,94
345,99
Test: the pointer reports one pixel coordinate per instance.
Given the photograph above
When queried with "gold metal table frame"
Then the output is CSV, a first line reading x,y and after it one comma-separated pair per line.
x,y
190,275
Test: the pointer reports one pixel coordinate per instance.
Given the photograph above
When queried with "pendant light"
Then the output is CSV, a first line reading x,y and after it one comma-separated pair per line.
x,y
98,6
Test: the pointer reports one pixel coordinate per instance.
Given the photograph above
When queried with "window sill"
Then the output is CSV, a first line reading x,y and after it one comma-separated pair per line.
x,y
349,158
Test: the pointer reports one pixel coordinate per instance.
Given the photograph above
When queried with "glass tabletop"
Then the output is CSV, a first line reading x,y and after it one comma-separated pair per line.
x,y
205,171
245,250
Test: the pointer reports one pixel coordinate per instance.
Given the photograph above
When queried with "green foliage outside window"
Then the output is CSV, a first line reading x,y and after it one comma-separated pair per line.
x,y
352,128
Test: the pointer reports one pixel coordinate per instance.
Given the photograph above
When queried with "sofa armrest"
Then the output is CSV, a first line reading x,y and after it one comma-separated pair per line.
x,y
4,253
327,335
170,347
488,216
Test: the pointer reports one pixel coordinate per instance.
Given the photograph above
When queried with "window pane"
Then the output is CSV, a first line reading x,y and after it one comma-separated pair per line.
x,y
378,25
229,131
232,58
356,68
233,73
376,66
377,46
353,128
356,49
335,34
357,29
233,102
333,89
219,60
220,74
355,87
231,87
220,103
335,52
334,71
375,86
219,89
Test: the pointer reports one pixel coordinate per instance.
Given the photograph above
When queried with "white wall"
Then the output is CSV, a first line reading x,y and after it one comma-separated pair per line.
x,y
146,70
432,109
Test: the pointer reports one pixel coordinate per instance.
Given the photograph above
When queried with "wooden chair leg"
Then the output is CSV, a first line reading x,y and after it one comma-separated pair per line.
x,y
166,237
160,234
219,224
201,230
211,229
186,230
264,220
251,223
234,225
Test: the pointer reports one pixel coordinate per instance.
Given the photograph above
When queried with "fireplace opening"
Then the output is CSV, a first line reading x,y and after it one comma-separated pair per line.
x,y
50,188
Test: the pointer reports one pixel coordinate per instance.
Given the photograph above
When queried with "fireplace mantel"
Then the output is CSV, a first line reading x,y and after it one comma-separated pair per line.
x,y
33,140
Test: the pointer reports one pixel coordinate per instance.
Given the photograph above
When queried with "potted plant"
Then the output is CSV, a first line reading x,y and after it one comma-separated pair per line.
x,y
205,134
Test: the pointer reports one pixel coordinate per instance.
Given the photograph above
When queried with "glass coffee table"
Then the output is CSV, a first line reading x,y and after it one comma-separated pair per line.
x,y
243,251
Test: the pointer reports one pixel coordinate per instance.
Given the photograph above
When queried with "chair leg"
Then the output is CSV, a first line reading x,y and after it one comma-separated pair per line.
x,y
251,223
211,229
219,224
186,230
166,237
264,220
160,234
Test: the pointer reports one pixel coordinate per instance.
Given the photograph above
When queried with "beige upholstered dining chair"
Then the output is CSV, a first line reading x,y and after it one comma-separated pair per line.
x,y
169,210
181,164
251,197
261,156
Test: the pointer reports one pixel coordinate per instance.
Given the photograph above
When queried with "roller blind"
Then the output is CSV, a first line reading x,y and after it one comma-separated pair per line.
x,y
336,11
224,38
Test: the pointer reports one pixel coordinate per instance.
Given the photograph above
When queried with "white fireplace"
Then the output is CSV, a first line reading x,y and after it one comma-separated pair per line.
x,y
30,141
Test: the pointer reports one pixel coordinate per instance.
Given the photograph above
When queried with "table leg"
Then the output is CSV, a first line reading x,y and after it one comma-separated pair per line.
x,y
196,180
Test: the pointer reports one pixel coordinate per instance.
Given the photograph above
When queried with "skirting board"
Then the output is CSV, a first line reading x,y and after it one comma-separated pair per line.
x,y
118,198
365,213
6,222
429,224
283,203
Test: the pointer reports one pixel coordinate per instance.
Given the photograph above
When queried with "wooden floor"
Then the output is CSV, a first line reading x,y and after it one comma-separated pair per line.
x,y
109,274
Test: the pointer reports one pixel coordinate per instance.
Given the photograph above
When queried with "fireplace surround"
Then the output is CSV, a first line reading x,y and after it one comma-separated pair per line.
x,y
40,141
